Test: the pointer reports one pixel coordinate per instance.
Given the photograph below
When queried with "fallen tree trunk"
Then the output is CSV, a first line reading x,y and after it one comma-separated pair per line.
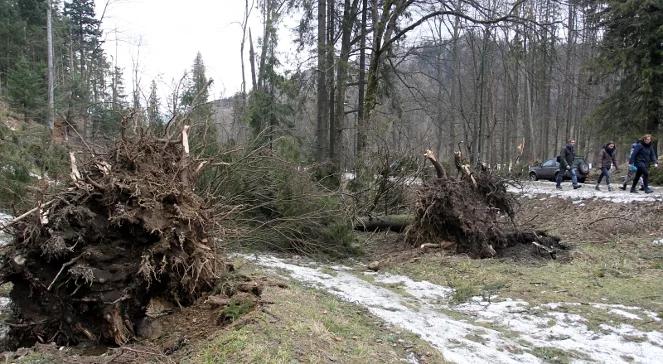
x,y
397,223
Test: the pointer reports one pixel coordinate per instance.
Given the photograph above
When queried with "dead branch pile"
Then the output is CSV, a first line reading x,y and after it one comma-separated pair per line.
x,y
475,212
129,230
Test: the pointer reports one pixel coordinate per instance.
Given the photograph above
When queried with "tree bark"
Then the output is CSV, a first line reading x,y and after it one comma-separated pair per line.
x,y
51,71
322,105
362,73
267,31
331,85
349,15
252,61
241,48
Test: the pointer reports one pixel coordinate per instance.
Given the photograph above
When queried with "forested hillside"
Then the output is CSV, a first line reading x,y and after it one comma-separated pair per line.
x,y
355,192
512,80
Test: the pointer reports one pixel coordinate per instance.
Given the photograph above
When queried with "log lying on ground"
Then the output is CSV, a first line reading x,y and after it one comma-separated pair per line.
x,y
470,210
127,231
397,223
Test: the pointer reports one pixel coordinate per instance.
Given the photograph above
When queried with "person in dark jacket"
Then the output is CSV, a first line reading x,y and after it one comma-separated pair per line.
x,y
630,172
643,155
567,163
607,161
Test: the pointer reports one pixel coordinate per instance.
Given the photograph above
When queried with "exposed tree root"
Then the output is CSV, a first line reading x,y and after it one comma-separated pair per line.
x,y
474,211
129,229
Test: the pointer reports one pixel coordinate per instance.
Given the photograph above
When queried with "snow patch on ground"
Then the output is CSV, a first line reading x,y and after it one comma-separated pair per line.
x,y
441,331
507,331
422,290
570,332
536,189
4,237
4,308
658,242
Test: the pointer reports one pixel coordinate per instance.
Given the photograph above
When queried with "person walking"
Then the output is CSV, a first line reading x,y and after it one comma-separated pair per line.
x,y
607,161
567,163
643,155
630,171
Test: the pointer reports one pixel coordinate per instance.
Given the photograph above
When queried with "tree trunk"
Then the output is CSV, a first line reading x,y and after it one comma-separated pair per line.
x,y
267,31
322,105
331,86
241,48
51,71
349,14
362,73
371,86
252,61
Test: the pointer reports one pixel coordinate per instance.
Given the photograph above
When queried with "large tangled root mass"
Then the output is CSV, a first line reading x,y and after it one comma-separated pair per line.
x,y
477,220
129,232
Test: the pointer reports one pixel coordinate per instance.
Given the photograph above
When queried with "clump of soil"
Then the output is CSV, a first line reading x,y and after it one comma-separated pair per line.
x,y
128,232
474,212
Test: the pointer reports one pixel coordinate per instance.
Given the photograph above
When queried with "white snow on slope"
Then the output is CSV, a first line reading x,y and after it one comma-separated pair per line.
x,y
501,332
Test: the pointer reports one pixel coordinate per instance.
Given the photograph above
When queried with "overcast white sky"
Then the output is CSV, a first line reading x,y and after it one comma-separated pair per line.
x,y
169,33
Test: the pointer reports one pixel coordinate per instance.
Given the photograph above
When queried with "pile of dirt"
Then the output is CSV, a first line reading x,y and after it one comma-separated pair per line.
x,y
474,212
127,239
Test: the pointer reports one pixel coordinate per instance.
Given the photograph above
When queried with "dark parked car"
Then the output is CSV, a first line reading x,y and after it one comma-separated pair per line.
x,y
549,169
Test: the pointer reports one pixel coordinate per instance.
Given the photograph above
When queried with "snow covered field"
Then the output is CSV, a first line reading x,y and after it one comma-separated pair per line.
x,y
500,331
539,188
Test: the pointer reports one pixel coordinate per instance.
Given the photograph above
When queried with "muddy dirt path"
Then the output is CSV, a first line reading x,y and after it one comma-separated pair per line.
x,y
485,329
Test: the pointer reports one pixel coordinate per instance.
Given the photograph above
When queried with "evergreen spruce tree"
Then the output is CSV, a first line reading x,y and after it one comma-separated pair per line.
x,y
197,91
118,95
195,100
632,51
85,31
23,55
27,88
153,104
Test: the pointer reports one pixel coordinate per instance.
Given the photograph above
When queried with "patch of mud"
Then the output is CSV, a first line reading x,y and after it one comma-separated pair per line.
x,y
508,331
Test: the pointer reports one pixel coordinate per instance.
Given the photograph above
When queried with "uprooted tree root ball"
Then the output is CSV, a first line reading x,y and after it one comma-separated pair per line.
x,y
127,234
472,215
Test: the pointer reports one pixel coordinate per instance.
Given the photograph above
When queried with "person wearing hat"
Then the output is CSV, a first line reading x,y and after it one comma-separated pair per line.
x,y
607,161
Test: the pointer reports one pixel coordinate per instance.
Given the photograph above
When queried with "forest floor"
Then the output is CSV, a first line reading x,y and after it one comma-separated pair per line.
x,y
600,300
